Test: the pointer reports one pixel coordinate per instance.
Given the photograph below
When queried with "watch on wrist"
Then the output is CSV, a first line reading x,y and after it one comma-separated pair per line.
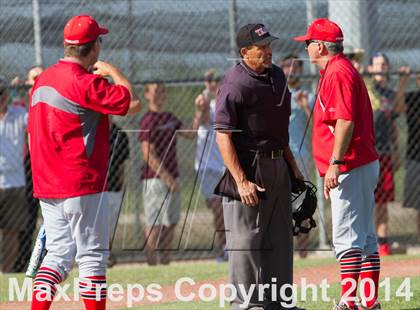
x,y
334,161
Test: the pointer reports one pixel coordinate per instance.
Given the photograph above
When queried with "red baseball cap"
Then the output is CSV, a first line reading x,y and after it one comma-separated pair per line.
x,y
324,30
82,29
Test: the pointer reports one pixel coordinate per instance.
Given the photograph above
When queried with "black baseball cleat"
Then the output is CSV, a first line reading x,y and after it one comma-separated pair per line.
x,y
358,306
343,306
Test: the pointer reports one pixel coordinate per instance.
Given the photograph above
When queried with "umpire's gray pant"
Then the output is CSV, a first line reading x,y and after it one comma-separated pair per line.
x,y
260,239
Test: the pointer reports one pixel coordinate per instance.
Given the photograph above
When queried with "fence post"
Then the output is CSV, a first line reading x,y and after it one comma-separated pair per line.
x,y
37,32
131,56
353,18
232,27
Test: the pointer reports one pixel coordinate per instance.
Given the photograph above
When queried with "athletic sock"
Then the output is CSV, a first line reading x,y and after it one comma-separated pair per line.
x,y
371,266
350,265
93,292
44,288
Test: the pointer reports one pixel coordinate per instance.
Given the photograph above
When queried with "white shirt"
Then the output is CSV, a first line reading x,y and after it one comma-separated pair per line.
x,y
207,150
12,139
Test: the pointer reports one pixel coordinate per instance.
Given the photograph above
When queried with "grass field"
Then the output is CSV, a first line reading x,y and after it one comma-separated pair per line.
x,y
165,275
394,304
208,271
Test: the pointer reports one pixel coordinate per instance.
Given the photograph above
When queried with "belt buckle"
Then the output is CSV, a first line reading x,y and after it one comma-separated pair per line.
x,y
275,154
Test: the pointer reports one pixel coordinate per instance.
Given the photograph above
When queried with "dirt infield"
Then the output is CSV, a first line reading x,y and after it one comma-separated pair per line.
x,y
313,275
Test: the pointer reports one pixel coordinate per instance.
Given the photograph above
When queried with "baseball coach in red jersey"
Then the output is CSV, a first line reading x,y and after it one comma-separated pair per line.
x,y
69,143
343,143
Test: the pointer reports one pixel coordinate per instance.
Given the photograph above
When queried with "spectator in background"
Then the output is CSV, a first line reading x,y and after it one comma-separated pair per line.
x,y
411,107
32,203
32,75
14,215
356,57
208,161
301,104
384,104
17,92
301,110
160,175
119,152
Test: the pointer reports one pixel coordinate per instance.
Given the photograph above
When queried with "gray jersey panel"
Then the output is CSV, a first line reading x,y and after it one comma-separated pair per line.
x,y
89,119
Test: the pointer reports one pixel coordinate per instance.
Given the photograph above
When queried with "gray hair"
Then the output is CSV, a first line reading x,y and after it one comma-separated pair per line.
x,y
334,47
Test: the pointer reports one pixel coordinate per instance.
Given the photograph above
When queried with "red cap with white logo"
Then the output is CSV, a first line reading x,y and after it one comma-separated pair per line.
x,y
322,29
82,29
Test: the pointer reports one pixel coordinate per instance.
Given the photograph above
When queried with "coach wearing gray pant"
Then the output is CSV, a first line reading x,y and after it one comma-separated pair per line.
x,y
252,119
343,144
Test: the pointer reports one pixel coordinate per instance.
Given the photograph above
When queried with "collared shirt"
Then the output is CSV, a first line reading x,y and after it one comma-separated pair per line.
x,y
342,95
69,130
255,106
12,141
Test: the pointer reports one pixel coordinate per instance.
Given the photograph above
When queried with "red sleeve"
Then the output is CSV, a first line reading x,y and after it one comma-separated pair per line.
x,y
339,98
106,98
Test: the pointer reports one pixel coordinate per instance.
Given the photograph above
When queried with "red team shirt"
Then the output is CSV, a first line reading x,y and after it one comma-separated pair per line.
x,y
69,132
343,95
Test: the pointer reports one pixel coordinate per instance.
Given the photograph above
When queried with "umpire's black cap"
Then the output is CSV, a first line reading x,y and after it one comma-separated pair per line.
x,y
253,34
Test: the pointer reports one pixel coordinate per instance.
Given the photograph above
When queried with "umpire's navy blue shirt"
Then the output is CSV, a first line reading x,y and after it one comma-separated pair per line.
x,y
255,106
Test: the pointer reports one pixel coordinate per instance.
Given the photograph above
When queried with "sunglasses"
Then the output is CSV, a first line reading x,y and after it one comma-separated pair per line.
x,y
309,42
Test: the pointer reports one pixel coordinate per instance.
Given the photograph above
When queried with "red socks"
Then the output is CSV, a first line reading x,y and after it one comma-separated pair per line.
x,y
44,288
93,292
371,266
350,265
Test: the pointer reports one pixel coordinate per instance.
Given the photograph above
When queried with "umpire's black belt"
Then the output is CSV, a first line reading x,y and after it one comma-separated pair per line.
x,y
274,154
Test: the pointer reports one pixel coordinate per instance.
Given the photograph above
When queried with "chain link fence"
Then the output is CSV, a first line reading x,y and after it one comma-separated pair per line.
x,y
175,42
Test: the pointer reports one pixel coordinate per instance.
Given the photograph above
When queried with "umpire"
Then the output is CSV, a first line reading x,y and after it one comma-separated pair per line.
x,y
252,119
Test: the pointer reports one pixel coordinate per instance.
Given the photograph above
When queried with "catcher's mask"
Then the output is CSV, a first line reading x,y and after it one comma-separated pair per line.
x,y
304,203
